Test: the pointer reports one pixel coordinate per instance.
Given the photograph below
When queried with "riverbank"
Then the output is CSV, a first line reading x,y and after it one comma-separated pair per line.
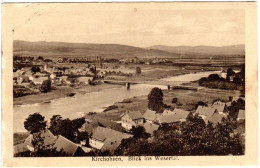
x,y
59,92
186,99
153,77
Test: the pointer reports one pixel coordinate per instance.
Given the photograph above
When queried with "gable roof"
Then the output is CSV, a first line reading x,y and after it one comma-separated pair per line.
x,y
22,147
47,136
66,146
181,114
167,112
111,138
206,111
175,115
150,115
40,80
134,115
166,119
220,106
241,114
85,79
150,128
214,119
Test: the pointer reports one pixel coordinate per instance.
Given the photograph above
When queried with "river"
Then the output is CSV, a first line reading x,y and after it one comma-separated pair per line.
x,y
80,104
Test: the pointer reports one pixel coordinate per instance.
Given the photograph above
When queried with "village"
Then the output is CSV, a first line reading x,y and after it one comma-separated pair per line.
x,y
29,73
105,139
97,135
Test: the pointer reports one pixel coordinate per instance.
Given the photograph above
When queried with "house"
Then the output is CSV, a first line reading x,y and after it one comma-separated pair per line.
x,y
223,74
167,119
150,116
106,139
39,81
167,112
64,80
204,112
176,116
52,76
181,114
20,148
132,119
48,139
150,128
67,147
228,104
241,116
85,80
220,106
215,119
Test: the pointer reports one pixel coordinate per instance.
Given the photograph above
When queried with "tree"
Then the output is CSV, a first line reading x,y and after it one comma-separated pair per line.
x,y
155,99
46,86
175,100
235,107
230,73
139,132
40,58
138,70
213,77
66,127
35,123
35,69
54,124
201,103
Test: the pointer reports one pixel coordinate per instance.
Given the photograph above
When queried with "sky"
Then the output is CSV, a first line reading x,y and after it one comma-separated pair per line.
x,y
134,25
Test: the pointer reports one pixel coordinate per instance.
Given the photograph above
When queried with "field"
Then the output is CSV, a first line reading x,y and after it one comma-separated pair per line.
x,y
186,100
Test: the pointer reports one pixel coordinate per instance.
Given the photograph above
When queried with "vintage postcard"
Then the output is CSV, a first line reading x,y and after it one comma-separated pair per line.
x,y
129,84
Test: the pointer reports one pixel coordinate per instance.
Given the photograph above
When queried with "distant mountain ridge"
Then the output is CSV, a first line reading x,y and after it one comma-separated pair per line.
x,y
64,49
85,49
227,50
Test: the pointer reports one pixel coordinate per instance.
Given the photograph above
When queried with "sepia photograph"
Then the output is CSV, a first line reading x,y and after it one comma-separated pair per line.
x,y
143,81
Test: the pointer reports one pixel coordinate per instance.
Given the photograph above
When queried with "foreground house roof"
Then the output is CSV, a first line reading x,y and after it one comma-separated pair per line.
x,y
205,111
241,114
47,136
66,146
150,115
20,148
150,128
134,115
169,116
181,114
214,119
111,138
167,119
220,106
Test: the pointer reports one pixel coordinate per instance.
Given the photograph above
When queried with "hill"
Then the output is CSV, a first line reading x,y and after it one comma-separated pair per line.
x,y
62,49
205,50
